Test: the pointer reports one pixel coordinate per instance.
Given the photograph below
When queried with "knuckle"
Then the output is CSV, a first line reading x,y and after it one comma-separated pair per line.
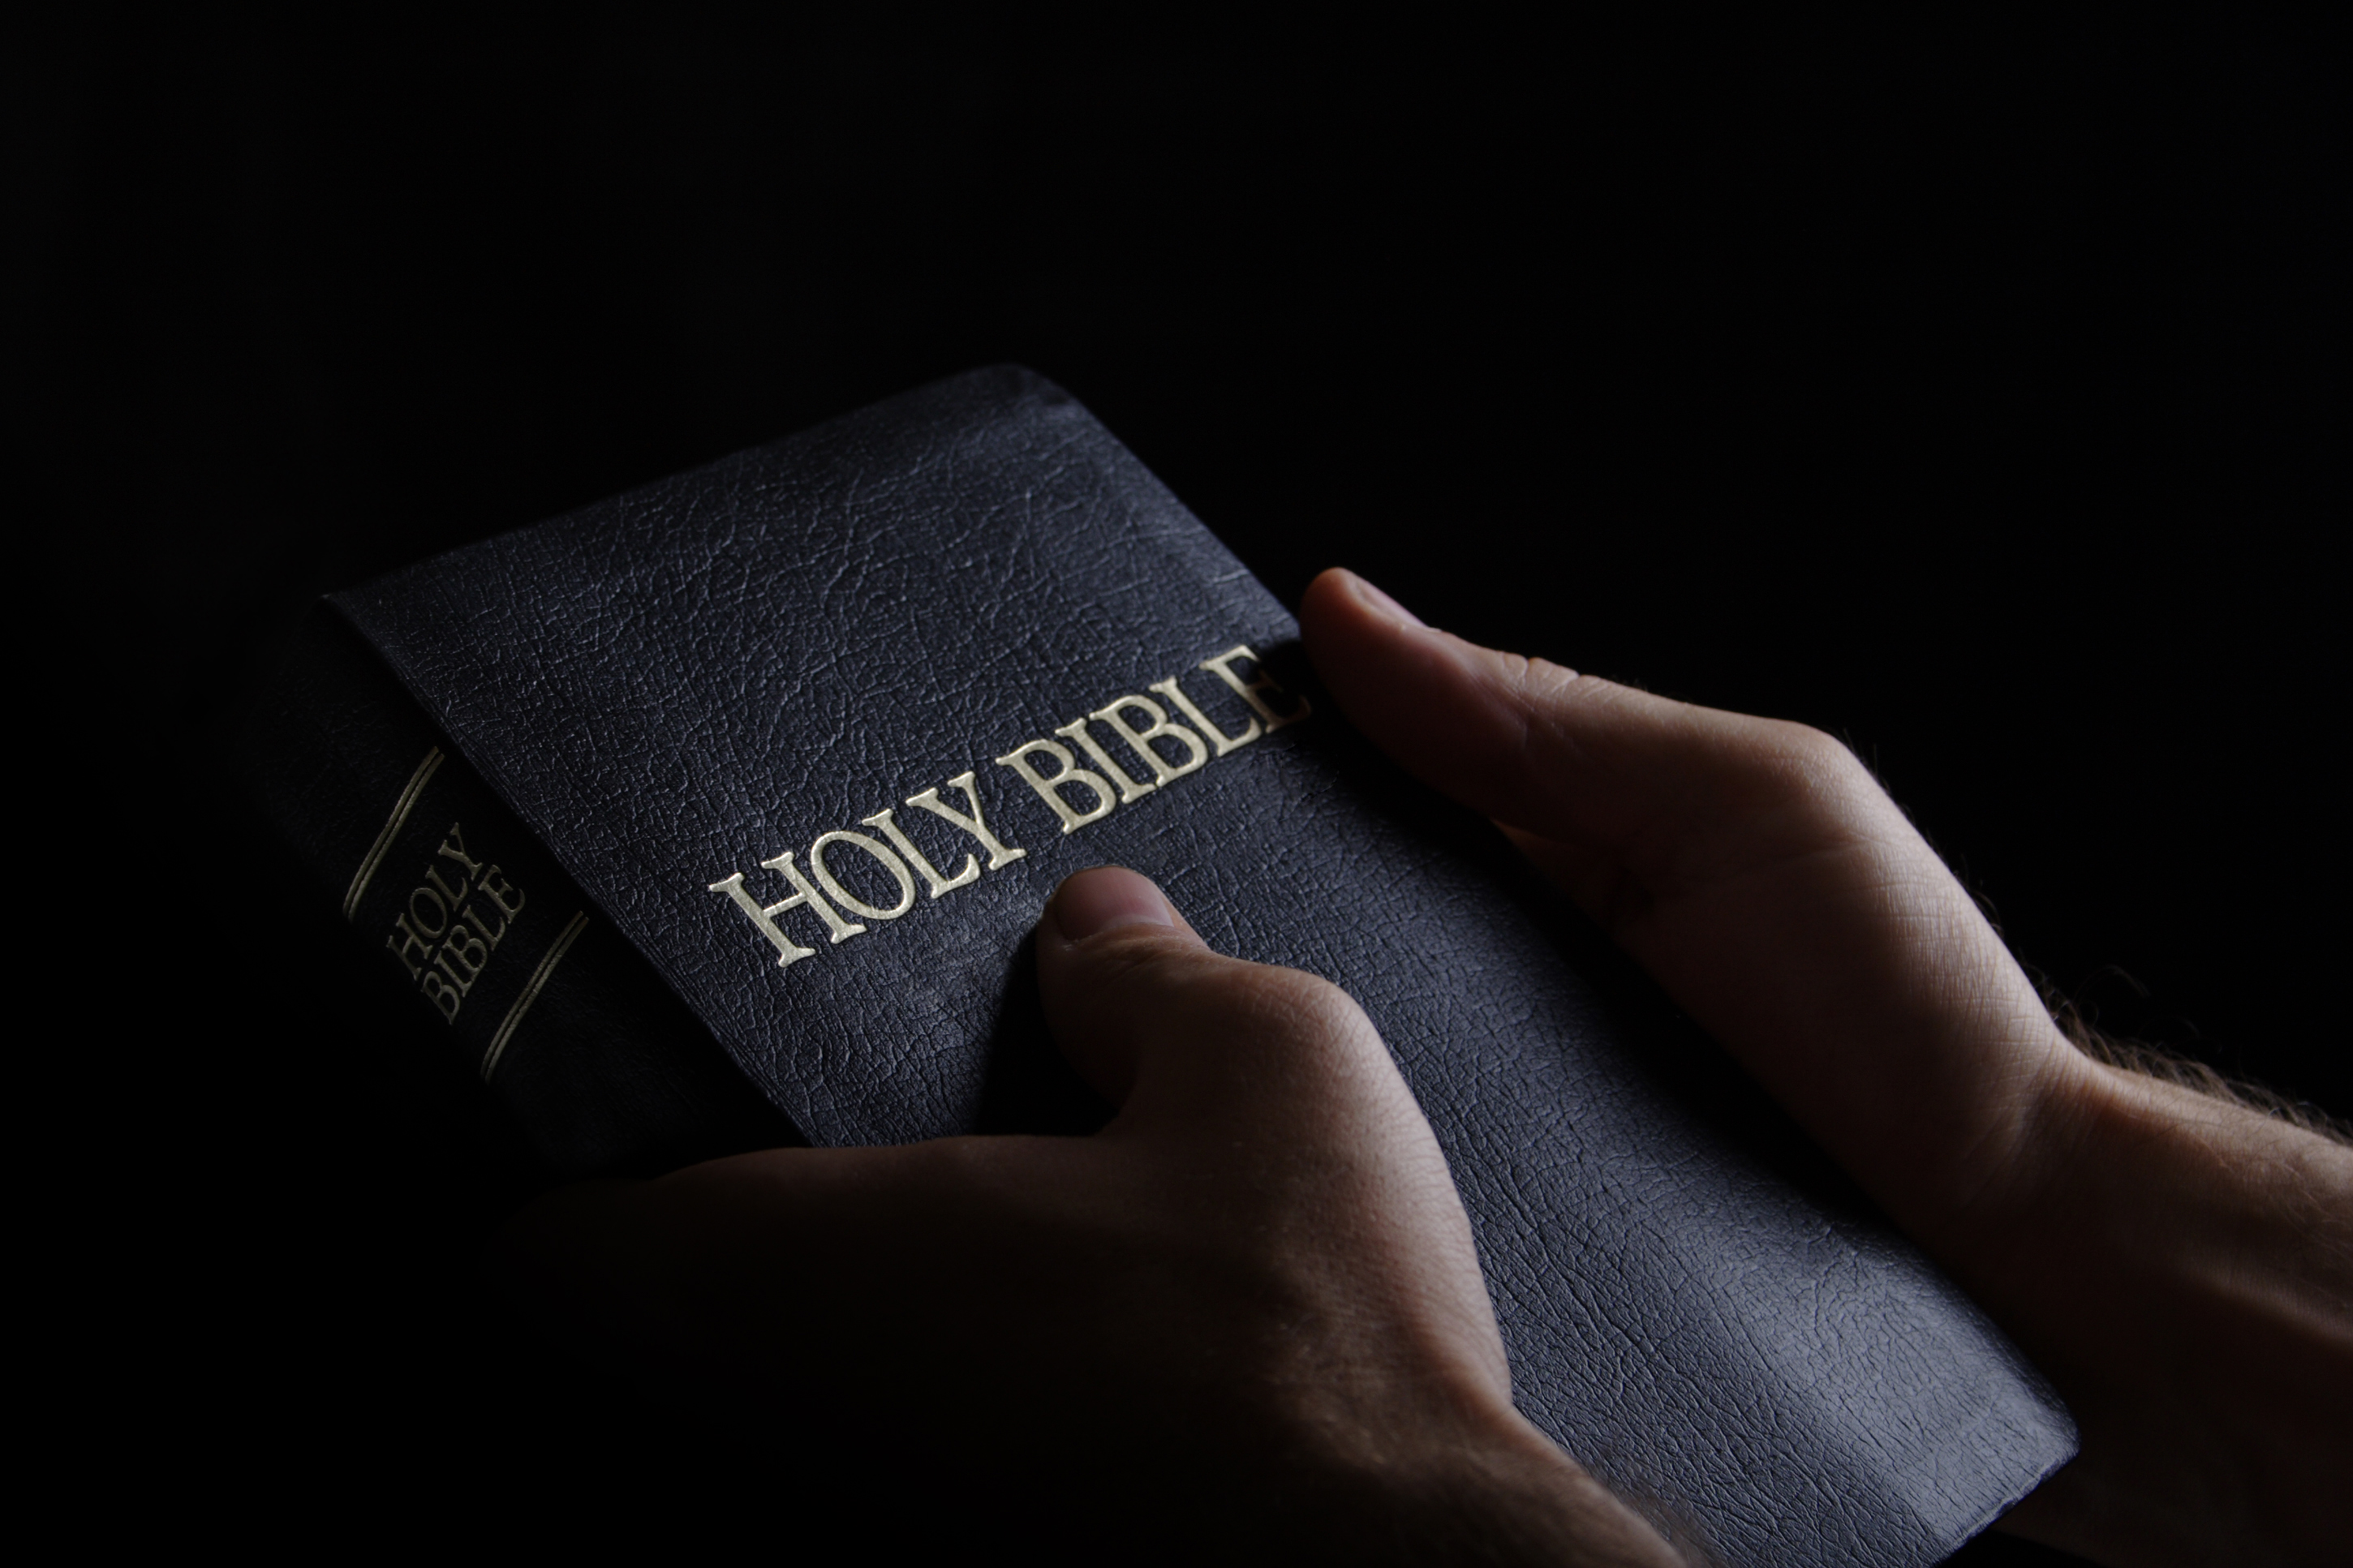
x,y
1258,1001
1819,773
1814,755
1138,954
1539,683
1180,987
1312,1002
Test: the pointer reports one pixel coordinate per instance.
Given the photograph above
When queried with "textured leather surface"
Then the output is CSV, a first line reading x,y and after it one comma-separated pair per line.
x,y
681,683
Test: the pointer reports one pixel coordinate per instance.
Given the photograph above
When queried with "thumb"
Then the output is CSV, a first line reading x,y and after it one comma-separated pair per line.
x,y
1636,799
1165,1028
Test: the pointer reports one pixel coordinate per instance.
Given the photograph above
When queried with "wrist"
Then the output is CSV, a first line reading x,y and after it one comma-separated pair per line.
x,y
1488,1489
2178,1267
2130,1178
2001,1189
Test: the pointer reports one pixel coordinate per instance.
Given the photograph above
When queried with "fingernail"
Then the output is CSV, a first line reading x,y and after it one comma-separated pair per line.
x,y
1109,897
1381,601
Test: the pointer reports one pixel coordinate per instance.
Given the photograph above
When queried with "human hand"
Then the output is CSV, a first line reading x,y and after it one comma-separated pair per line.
x,y
1244,1317
2181,1268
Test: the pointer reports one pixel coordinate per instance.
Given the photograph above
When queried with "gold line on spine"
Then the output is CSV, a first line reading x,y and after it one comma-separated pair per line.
x,y
400,810
530,992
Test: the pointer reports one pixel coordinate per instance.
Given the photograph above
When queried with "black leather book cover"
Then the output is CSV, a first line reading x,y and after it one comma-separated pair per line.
x,y
817,729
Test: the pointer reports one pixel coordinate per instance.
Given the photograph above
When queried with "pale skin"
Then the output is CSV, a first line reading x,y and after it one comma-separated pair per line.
x,y
1248,1311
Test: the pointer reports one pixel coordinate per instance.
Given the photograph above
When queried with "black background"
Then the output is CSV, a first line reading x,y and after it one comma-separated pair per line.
x,y
1969,396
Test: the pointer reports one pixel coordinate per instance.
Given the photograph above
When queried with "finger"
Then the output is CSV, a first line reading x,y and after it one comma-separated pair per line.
x,y
1623,784
1165,1028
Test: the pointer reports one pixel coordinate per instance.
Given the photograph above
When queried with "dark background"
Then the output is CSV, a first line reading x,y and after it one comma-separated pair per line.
x,y
1975,398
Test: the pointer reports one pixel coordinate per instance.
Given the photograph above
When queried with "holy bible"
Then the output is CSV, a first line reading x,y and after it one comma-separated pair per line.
x,y
718,814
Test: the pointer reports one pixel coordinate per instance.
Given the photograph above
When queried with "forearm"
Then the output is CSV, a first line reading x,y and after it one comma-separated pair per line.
x,y
2182,1268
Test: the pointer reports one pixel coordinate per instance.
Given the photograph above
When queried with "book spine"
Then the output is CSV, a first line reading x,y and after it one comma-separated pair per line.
x,y
504,962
